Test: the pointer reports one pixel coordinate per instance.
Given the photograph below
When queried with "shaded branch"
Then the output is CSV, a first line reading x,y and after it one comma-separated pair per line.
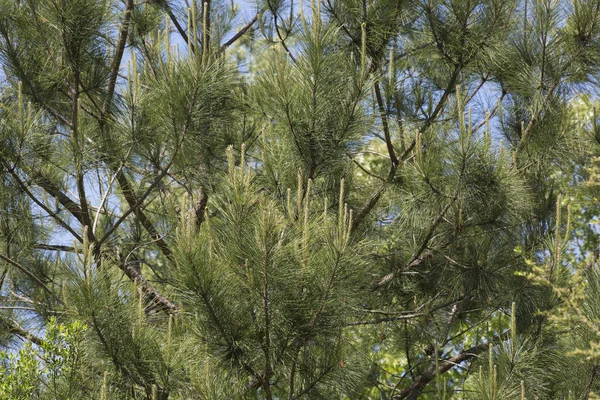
x,y
42,205
62,198
112,81
78,148
31,275
134,207
388,319
420,255
14,328
414,390
374,199
281,38
386,129
55,247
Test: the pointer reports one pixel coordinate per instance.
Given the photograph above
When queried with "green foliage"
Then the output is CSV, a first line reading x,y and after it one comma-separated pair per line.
x,y
334,200
52,368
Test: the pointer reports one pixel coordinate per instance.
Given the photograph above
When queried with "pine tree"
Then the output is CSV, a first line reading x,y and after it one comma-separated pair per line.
x,y
332,199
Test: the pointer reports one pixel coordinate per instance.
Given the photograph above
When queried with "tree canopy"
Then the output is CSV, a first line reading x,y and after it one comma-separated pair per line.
x,y
336,199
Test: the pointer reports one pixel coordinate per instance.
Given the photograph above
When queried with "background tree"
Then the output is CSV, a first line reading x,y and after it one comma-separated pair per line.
x,y
342,199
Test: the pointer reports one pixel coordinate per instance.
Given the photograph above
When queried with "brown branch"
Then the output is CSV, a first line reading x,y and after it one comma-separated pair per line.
x,y
31,275
77,147
419,256
42,205
240,33
176,22
55,247
133,208
281,38
374,199
414,390
15,329
484,79
133,272
112,81
200,207
62,198
386,129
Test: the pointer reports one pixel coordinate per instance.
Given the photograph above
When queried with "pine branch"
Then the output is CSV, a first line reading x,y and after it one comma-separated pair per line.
x,y
374,199
112,80
420,255
175,21
440,45
78,150
388,319
108,349
135,275
414,390
590,384
106,194
371,203
62,198
266,382
206,28
552,88
312,384
240,33
55,247
450,88
200,207
135,203
42,205
535,118
386,129
363,168
342,24
31,275
330,283
14,57
134,208
281,38
405,316
14,328
484,79
492,113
